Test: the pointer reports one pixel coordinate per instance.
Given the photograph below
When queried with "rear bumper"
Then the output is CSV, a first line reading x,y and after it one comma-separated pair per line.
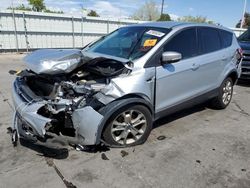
x,y
33,126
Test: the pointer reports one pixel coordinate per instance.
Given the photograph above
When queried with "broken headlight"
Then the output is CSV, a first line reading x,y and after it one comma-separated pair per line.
x,y
65,65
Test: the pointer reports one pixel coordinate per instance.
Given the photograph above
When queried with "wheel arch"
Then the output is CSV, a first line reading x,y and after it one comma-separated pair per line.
x,y
143,99
109,109
234,76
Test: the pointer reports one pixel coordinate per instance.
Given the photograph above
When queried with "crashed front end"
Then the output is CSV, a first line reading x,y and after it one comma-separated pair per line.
x,y
57,99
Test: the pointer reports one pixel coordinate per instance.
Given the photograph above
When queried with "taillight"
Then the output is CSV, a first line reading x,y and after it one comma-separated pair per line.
x,y
239,54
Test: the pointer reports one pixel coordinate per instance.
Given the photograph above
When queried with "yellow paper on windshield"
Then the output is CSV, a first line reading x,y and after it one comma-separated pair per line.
x,y
150,43
18,72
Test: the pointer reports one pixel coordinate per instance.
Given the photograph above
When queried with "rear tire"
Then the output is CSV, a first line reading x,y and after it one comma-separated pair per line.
x,y
128,126
225,95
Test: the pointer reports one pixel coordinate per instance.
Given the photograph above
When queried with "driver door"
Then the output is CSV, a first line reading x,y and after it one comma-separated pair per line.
x,y
178,82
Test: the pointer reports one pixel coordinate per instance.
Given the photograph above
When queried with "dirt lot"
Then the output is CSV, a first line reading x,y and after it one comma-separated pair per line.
x,y
202,148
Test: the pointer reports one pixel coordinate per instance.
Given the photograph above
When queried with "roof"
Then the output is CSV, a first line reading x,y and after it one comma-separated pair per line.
x,y
167,24
172,24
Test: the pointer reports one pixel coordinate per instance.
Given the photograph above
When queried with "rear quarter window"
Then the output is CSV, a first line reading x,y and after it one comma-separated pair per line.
x,y
226,38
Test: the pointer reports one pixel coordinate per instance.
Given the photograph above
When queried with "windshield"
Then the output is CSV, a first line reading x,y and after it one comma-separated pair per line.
x,y
245,37
129,42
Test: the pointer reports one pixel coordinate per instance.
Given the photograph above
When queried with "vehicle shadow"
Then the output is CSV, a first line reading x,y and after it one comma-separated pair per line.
x,y
63,153
60,153
55,153
180,114
243,83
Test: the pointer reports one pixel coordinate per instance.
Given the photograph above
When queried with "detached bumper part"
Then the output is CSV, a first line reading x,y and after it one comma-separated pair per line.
x,y
86,122
31,125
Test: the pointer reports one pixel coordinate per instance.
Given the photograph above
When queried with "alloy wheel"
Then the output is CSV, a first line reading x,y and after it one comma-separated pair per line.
x,y
128,127
227,92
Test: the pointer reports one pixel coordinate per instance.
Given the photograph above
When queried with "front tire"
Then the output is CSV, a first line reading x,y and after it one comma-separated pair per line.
x,y
128,126
225,94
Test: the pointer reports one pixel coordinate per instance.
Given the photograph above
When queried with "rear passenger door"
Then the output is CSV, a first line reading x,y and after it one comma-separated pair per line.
x,y
211,58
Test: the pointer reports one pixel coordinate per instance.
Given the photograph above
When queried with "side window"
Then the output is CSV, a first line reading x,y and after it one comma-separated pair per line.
x,y
209,40
226,38
184,42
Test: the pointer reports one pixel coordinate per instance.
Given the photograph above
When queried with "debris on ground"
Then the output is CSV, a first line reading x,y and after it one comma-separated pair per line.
x,y
162,137
9,130
90,149
104,157
14,135
198,161
79,147
124,153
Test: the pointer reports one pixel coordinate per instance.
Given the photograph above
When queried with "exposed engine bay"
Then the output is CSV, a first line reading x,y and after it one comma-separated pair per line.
x,y
61,86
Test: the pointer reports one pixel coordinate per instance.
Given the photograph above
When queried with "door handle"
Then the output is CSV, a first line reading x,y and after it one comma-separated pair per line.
x,y
195,66
150,79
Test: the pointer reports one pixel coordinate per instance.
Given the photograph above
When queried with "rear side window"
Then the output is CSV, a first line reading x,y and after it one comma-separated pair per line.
x,y
184,42
226,38
209,40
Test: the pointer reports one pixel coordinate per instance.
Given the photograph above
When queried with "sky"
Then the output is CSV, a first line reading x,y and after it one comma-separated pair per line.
x,y
224,12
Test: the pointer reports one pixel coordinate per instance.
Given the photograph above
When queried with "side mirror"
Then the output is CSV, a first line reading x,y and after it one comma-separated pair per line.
x,y
171,57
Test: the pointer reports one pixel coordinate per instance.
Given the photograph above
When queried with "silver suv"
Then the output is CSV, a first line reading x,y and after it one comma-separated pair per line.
x,y
113,90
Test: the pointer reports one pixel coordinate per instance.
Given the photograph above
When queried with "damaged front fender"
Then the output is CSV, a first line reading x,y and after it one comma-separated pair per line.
x,y
31,124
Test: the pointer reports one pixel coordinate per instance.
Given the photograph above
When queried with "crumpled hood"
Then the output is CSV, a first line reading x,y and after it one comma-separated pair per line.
x,y
53,61
57,61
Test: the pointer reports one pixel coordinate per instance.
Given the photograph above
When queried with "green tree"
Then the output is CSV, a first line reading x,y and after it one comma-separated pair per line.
x,y
20,7
198,19
164,17
37,5
246,22
148,12
93,13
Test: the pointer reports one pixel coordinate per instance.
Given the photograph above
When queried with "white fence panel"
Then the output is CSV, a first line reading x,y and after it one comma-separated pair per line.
x,y
44,30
